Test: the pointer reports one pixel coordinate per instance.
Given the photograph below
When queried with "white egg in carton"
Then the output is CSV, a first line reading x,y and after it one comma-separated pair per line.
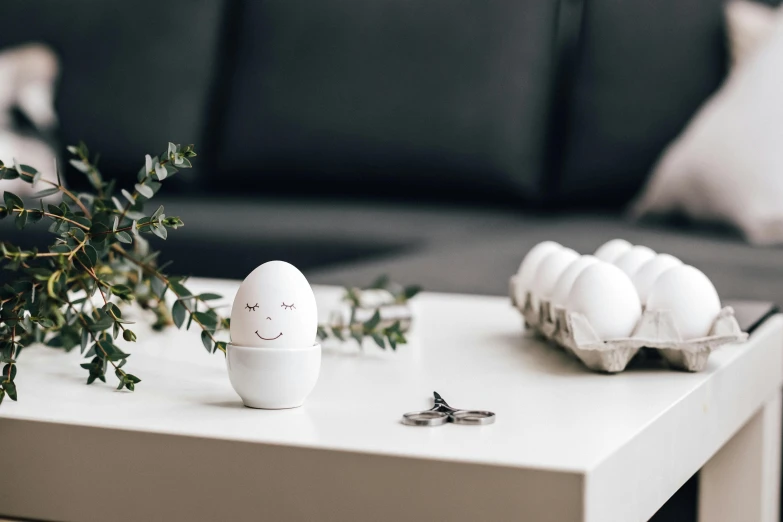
x,y
654,328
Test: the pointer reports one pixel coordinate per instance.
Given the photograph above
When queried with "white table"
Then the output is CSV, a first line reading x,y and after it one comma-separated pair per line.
x,y
568,444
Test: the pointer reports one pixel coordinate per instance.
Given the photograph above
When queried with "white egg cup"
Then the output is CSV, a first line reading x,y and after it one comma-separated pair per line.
x,y
273,378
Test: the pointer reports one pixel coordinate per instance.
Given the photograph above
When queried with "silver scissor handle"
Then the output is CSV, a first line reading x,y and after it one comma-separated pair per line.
x,y
473,417
425,418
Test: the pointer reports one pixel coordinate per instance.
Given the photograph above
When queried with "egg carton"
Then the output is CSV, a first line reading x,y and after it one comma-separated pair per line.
x,y
656,330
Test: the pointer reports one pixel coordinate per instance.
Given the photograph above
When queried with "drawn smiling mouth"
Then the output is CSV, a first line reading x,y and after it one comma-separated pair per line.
x,y
265,339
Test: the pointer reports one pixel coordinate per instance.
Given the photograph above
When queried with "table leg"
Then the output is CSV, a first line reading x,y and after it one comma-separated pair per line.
x,y
741,483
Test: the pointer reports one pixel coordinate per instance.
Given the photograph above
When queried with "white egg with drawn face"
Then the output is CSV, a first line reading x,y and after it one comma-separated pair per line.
x,y
274,307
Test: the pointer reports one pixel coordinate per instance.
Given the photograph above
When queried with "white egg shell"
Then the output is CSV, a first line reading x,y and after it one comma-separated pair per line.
x,y
559,295
274,307
550,270
633,259
529,265
605,295
644,278
691,298
613,249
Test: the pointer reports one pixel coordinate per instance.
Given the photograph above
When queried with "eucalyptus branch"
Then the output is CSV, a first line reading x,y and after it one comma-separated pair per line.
x,y
98,247
209,321
32,176
41,213
37,305
368,315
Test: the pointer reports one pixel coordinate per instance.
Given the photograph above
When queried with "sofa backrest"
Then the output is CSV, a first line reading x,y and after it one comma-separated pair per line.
x,y
436,98
135,75
641,71
527,101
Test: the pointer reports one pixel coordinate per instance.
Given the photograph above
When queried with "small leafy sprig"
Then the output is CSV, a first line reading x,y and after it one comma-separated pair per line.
x,y
385,294
69,294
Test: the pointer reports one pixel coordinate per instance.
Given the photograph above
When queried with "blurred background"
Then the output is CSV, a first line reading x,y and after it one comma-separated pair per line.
x,y
435,141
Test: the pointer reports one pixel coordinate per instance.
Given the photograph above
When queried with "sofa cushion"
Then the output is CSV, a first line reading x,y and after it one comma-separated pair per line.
x,y
135,75
483,265
389,97
643,70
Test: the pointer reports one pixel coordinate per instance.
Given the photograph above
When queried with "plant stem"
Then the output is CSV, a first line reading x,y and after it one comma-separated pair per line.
x,y
136,193
151,270
53,216
63,190
13,352
94,338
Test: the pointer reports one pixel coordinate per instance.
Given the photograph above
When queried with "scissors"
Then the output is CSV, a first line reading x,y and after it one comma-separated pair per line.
x,y
442,413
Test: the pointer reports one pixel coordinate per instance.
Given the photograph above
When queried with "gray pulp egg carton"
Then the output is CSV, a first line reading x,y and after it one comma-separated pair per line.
x,y
655,329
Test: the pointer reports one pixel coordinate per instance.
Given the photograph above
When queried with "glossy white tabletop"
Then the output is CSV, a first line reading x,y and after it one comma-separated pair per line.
x,y
551,412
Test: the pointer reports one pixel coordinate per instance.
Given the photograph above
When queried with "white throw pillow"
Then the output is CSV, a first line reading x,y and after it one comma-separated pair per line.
x,y
727,165
28,75
748,25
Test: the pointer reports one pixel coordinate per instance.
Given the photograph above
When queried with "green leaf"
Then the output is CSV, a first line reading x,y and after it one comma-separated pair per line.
x,y
179,289
206,340
373,321
88,256
46,192
157,286
210,297
8,173
411,291
122,291
160,171
321,333
28,170
381,282
178,313
12,201
34,215
83,221
10,389
157,213
206,319
160,231
60,249
338,332
144,190
80,165
129,377
21,219
85,340
124,237
9,372
379,340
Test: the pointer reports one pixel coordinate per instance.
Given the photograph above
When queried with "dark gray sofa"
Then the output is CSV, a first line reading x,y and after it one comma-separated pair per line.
x,y
436,141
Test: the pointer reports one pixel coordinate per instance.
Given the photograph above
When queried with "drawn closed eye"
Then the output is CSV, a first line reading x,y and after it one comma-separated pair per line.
x,y
251,308
288,307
